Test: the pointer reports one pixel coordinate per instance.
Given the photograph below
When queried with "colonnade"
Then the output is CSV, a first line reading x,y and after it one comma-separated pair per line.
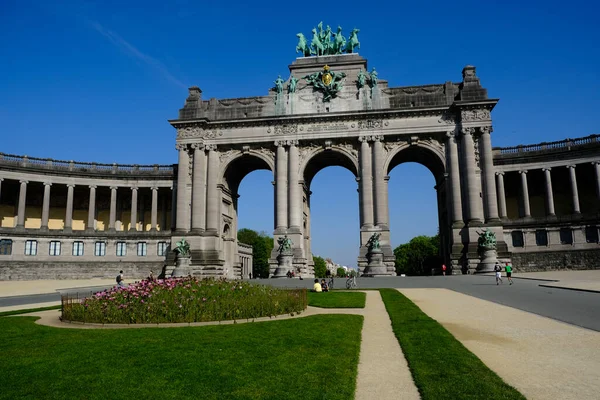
x,y
548,193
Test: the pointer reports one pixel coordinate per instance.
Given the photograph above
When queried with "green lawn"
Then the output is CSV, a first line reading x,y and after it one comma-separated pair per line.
x,y
441,366
29,310
266,360
337,299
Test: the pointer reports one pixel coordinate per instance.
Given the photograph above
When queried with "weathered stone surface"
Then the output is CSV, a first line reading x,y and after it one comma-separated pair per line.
x,y
550,261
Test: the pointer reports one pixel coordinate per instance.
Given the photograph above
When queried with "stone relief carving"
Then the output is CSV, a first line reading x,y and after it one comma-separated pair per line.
x,y
197,132
286,142
370,124
307,149
447,118
486,129
370,138
475,115
190,165
285,129
349,147
227,154
476,145
210,146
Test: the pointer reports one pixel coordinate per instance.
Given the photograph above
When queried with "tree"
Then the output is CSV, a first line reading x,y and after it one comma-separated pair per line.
x,y
340,272
320,266
418,256
262,245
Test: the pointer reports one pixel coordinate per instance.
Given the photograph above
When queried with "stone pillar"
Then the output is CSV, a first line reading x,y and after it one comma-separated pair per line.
x,y
154,210
113,208
69,211
294,193
574,190
597,168
525,194
281,189
46,206
386,209
21,206
501,194
163,212
379,192
487,163
182,179
549,193
453,166
475,215
92,209
212,196
133,224
366,184
199,189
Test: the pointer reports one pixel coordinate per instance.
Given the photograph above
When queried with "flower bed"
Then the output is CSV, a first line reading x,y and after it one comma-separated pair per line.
x,y
183,300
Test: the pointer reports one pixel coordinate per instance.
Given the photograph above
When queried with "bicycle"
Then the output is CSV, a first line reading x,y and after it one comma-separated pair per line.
x,y
351,283
330,283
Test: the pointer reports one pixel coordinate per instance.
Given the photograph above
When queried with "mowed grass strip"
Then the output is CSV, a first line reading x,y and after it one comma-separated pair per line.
x,y
265,360
441,366
337,299
29,310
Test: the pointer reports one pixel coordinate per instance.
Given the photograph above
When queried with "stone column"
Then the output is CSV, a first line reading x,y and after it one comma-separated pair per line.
x,y
163,213
596,165
525,194
453,166
281,189
574,190
182,178
366,183
386,209
212,196
46,206
113,208
199,189
475,215
69,211
294,193
133,224
92,209
487,163
501,194
21,206
549,194
154,210
379,192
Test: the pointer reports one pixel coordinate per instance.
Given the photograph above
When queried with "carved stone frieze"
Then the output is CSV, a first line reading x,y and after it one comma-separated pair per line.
x,y
306,149
370,138
227,154
197,132
476,150
284,129
350,148
448,118
370,124
286,143
475,115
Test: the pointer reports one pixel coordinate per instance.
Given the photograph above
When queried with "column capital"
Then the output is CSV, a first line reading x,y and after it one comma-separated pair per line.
x,y
571,166
371,138
467,131
1,179
47,184
547,169
593,163
210,147
283,143
498,173
523,171
133,188
181,146
451,134
93,186
197,146
23,181
486,129
71,185
154,188
114,187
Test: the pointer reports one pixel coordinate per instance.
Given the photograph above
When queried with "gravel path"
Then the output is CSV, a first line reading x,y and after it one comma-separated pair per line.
x,y
541,357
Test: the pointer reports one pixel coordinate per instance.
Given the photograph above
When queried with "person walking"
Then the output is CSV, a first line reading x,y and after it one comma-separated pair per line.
x,y
508,268
444,269
120,278
498,272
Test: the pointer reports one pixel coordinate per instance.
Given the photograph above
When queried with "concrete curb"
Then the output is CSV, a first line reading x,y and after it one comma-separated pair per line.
x,y
570,288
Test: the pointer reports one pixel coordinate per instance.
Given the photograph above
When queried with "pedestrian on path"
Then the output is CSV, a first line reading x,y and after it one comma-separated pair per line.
x,y
509,273
120,278
444,269
498,272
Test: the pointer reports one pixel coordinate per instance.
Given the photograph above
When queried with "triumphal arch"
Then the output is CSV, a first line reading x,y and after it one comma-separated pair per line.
x,y
334,110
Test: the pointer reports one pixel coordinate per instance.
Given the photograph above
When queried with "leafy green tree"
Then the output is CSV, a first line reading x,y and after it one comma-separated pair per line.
x,y
340,272
418,256
320,266
262,245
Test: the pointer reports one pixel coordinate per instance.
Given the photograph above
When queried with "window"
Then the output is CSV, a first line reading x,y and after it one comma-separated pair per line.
x,y
566,236
517,238
541,237
121,249
162,248
5,247
55,248
77,248
591,234
142,248
31,248
100,249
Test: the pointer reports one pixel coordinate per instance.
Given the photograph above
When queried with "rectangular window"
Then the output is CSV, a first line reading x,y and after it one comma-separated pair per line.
x,y
31,248
121,249
541,237
566,236
77,248
162,248
100,249
142,248
517,238
591,234
5,247
55,248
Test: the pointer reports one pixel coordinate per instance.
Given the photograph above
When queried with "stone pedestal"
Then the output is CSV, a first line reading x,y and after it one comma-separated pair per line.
x,y
489,258
182,267
376,267
284,264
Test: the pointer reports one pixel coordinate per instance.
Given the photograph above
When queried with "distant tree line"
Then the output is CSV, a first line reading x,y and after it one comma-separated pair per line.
x,y
418,256
262,245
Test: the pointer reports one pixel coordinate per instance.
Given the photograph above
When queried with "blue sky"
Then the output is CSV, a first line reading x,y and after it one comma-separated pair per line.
x,y
97,81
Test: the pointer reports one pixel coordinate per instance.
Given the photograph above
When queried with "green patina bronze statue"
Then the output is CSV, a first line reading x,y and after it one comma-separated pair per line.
x,y
279,85
361,79
353,41
373,243
325,42
285,244
339,42
486,240
328,82
292,84
373,75
302,45
182,248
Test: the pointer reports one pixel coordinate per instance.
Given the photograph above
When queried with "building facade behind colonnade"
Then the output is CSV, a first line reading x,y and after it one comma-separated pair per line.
x,y
67,219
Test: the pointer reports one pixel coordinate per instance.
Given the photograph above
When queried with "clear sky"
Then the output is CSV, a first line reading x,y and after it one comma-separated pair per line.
x,y
97,81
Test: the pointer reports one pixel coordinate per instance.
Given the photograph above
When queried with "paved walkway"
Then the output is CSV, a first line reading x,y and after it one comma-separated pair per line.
x,y
541,357
577,280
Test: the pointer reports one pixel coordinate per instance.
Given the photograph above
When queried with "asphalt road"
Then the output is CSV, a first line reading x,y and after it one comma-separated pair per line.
x,y
574,307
